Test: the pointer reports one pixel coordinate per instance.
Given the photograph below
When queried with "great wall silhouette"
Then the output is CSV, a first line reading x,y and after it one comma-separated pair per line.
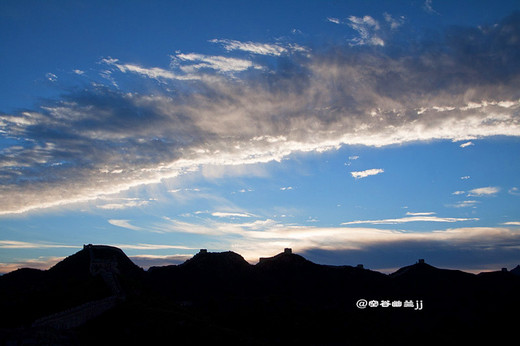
x,y
77,316
107,269
99,294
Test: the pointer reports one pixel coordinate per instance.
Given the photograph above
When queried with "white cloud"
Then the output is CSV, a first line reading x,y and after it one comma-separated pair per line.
x,y
443,108
220,64
231,215
150,72
366,173
191,189
514,191
466,177
153,72
394,22
51,77
107,74
354,157
458,192
125,224
366,21
366,27
466,144
464,204
507,104
284,188
78,72
410,219
484,191
123,205
15,244
256,47
420,214
333,20
512,223
428,7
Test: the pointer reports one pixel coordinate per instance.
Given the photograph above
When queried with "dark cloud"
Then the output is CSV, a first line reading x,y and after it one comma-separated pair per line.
x,y
393,255
489,54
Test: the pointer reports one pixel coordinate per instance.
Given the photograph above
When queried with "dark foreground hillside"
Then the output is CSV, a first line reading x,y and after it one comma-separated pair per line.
x,y
98,296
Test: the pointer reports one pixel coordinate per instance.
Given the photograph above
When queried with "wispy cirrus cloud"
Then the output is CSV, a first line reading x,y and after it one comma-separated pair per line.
x,y
464,204
15,244
514,191
125,224
334,20
191,63
231,214
150,72
419,218
393,21
258,47
51,77
124,203
367,28
228,111
420,213
428,7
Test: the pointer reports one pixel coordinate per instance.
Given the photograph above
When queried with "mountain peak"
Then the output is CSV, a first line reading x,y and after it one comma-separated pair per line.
x,y
516,270
227,260
93,259
285,260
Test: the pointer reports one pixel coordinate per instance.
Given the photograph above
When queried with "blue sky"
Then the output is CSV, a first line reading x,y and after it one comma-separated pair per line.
x,y
354,132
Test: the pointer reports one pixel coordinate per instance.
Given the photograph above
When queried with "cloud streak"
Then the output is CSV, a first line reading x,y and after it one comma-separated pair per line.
x,y
420,218
14,244
466,144
258,47
125,224
484,191
366,173
261,237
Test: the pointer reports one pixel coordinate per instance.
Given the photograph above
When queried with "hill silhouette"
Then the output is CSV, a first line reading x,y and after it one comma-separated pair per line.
x,y
99,294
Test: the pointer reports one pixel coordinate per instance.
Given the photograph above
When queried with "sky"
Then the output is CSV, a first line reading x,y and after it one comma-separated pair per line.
x,y
353,132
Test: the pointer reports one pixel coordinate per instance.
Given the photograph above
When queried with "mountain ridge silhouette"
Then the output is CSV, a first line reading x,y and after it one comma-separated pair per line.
x,y
220,296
